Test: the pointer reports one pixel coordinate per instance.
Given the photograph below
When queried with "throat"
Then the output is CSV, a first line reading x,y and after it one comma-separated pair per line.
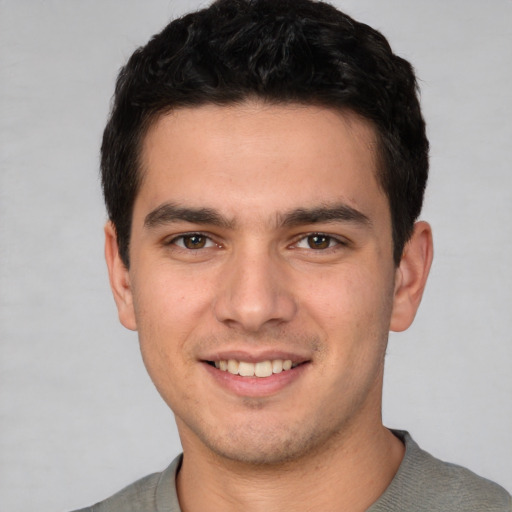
x,y
348,480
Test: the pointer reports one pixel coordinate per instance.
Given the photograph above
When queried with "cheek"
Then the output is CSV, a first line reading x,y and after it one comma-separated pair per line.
x,y
168,300
163,333
355,315
353,310
169,310
354,294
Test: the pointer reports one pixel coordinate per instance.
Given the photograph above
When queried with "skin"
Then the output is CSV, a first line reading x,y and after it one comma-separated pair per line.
x,y
259,286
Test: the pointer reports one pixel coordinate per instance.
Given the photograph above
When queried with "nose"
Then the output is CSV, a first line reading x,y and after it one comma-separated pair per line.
x,y
255,292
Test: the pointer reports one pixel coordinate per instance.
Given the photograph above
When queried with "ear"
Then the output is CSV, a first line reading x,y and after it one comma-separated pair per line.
x,y
411,276
119,279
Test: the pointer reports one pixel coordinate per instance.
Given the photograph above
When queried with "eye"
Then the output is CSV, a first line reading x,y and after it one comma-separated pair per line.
x,y
193,241
318,242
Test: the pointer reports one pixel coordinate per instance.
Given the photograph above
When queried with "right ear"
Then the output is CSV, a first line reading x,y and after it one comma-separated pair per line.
x,y
119,279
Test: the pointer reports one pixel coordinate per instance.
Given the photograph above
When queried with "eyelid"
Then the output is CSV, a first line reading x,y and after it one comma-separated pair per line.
x,y
211,242
338,239
174,238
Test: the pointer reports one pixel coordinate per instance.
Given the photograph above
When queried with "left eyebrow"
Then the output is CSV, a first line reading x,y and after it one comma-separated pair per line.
x,y
336,213
169,212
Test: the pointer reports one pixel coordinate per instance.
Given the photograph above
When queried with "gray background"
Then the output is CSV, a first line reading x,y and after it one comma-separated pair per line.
x,y
79,417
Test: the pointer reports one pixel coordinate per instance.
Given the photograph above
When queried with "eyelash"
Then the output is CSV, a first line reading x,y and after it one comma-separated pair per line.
x,y
332,241
208,240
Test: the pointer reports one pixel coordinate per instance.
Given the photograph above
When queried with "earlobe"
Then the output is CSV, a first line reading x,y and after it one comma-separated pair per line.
x,y
411,276
119,279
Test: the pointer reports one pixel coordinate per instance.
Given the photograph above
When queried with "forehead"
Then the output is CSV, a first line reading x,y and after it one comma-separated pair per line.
x,y
266,158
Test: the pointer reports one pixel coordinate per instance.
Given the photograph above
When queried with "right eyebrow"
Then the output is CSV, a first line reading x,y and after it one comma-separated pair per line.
x,y
340,212
168,213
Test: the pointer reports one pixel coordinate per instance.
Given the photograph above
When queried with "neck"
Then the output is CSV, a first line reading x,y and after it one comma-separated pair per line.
x,y
348,474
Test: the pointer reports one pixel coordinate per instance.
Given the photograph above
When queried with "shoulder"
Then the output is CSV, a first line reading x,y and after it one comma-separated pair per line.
x,y
153,493
424,483
130,499
453,487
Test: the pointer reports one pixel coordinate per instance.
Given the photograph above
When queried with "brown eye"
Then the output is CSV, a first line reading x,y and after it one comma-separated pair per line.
x,y
319,241
194,241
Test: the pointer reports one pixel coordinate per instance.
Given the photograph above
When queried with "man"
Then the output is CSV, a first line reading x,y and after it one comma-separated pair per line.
x,y
263,169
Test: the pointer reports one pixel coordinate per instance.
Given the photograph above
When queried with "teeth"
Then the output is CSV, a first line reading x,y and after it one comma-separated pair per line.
x,y
232,366
263,369
260,369
246,369
277,366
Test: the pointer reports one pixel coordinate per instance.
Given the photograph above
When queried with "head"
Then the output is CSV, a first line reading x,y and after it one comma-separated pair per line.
x,y
263,167
279,52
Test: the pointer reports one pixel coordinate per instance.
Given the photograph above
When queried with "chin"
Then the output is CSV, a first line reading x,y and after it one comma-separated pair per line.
x,y
268,447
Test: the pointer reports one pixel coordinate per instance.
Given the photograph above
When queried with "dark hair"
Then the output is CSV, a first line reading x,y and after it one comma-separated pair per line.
x,y
281,51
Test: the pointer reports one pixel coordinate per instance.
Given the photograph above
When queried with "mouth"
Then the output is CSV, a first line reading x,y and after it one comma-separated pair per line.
x,y
261,369
253,375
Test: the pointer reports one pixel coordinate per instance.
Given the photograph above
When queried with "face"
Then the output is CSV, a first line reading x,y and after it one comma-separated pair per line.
x,y
261,278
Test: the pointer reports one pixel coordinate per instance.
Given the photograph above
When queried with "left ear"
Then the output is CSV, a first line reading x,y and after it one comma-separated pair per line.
x,y
119,279
411,276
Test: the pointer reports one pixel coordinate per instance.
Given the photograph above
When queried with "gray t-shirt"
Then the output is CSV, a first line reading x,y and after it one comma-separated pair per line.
x,y
422,484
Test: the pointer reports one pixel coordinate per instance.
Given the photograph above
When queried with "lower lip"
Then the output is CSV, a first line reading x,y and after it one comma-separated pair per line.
x,y
256,386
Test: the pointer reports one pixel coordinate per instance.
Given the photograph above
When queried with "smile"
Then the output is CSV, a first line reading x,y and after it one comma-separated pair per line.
x,y
247,369
256,376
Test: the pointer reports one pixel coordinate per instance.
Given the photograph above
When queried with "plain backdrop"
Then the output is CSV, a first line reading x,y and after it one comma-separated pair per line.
x,y
79,416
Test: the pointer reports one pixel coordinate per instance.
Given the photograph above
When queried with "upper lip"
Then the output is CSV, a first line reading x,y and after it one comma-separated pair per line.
x,y
255,356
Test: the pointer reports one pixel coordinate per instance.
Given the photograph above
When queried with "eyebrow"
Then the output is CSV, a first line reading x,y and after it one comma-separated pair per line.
x,y
336,213
168,212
